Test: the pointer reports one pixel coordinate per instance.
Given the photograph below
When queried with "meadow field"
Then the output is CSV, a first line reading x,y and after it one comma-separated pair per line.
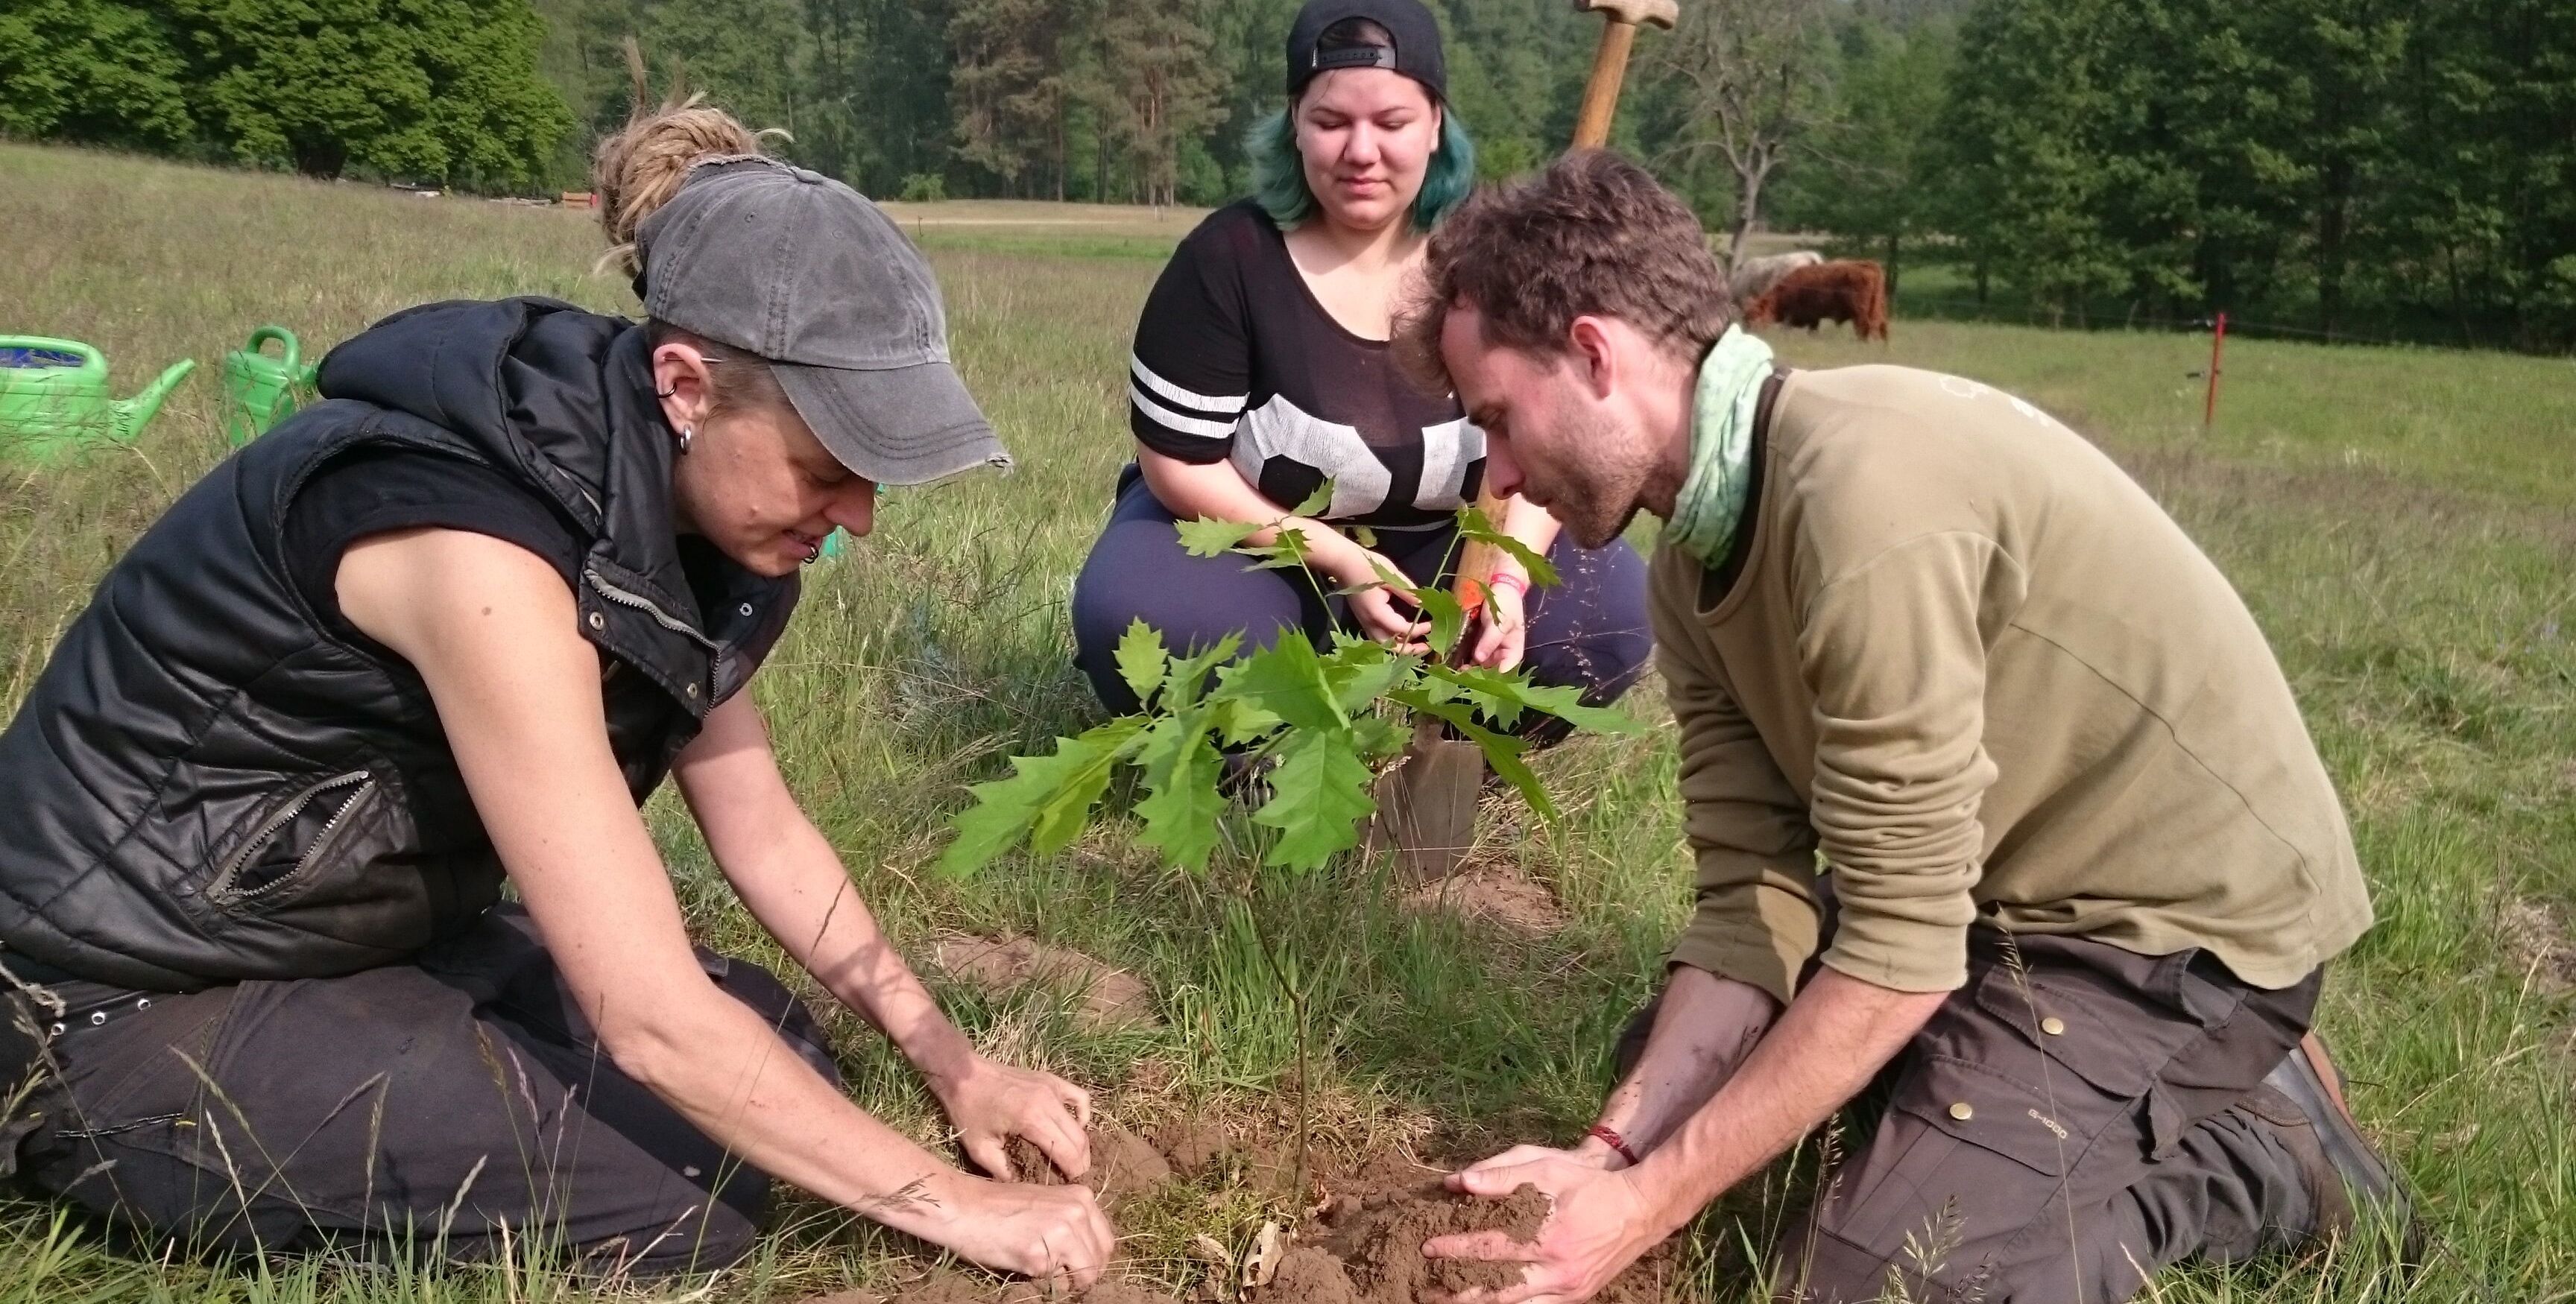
x,y
2402,522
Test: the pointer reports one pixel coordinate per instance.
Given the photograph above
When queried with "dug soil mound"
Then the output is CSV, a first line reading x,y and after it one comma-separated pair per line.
x,y
1108,997
1498,894
1363,1246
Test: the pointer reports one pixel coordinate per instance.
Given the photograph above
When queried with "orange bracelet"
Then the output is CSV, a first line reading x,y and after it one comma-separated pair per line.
x,y
1617,1145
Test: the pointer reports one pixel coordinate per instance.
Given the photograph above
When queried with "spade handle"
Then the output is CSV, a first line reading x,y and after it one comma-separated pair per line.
x,y
1620,20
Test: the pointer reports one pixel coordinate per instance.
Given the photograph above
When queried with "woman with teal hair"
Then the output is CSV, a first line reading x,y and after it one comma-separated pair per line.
x,y
1262,372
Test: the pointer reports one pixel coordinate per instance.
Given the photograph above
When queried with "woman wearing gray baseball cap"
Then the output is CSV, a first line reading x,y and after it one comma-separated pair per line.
x,y
449,629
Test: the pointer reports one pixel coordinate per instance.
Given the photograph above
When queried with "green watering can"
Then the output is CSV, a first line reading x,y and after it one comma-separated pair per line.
x,y
260,390
54,399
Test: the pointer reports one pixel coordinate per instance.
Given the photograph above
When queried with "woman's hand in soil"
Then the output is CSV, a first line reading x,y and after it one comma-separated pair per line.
x,y
1047,1233
991,1102
1599,1223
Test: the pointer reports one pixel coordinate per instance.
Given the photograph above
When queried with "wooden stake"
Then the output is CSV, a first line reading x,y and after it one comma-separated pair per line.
x,y
2217,344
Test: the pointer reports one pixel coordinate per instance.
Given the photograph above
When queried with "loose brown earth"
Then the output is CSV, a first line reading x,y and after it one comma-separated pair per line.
x,y
1364,1246
1497,893
1110,997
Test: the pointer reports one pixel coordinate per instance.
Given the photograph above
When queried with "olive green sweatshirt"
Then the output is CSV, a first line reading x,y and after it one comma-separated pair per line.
x,y
1971,671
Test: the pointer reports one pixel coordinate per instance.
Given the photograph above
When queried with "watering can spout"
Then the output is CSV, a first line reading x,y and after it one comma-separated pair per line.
x,y
133,413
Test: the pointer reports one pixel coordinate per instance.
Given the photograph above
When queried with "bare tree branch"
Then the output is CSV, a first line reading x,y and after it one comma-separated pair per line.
x,y
1751,76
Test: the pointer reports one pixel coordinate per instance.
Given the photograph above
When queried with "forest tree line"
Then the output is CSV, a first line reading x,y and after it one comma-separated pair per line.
x,y
2345,168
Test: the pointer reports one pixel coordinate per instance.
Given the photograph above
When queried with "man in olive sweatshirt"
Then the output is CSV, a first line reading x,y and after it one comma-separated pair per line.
x,y
2004,817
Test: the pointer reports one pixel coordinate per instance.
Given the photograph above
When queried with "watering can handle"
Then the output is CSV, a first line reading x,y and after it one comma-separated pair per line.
x,y
89,354
264,334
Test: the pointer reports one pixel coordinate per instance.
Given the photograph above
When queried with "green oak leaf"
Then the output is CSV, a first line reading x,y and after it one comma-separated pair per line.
x,y
1490,692
1209,537
1390,578
1142,660
1473,524
1285,551
1315,502
1238,721
1187,681
1503,752
1448,619
1360,673
1318,795
1287,679
1566,703
1048,797
1181,810
1503,697
1379,737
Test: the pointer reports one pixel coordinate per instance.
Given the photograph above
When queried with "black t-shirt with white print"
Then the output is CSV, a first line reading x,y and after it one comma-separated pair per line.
x,y
1236,361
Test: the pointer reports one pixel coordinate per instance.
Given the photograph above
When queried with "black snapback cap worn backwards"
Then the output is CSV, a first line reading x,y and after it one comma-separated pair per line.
x,y
1415,35
805,272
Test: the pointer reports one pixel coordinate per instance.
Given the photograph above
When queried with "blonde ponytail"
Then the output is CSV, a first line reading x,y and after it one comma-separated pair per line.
x,y
638,169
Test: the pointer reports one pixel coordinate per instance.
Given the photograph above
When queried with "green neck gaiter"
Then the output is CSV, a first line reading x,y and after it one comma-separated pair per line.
x,y
1722,405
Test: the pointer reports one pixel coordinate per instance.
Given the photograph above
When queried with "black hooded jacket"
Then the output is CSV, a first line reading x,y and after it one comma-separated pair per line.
x,y
208,785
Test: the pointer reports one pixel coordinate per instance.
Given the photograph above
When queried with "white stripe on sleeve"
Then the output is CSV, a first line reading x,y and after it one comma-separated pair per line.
x,y
1175,422
1227,406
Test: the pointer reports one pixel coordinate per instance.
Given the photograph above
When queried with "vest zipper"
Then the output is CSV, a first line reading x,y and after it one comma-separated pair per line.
x,y
646,605
220,889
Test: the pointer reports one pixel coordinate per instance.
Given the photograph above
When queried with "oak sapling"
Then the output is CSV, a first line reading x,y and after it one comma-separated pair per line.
x,y
1316,723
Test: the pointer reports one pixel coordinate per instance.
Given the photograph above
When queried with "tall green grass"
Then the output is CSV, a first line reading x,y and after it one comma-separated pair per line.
x,y
2403,523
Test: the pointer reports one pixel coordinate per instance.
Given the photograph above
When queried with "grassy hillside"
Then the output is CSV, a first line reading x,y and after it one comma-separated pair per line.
x,y
2402,522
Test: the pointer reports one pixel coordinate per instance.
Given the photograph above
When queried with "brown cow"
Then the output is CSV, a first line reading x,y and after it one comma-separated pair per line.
x,y
1754,275
1848,291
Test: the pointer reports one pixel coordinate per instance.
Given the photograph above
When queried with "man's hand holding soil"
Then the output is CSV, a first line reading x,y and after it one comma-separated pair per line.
x,y
1835,1035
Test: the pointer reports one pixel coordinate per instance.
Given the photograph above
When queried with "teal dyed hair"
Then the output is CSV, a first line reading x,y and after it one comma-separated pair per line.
x,y
1279,175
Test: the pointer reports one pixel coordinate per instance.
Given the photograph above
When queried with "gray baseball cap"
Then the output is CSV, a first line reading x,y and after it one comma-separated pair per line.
x,y
805,272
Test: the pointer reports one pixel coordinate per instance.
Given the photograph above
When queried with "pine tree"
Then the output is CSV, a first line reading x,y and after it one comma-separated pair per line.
x,y
1008,88
1153,81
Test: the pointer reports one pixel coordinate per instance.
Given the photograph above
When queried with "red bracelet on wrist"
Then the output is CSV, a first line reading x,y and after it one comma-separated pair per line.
x,y
1518,584
1617,1144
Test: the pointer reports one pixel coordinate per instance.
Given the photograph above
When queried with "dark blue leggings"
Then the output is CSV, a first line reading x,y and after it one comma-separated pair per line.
x,y
1589,632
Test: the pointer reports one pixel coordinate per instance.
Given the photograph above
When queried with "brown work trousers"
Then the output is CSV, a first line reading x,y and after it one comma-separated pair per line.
x,y
2066,1124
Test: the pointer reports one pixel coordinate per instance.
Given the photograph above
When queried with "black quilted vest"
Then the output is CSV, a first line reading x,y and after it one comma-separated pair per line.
x,y
206,785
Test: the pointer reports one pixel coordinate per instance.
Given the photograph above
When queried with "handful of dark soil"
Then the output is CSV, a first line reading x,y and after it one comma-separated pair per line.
x,y
1366,1247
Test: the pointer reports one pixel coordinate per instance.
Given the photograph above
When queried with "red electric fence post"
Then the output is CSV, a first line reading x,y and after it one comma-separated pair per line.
x,y
2217,344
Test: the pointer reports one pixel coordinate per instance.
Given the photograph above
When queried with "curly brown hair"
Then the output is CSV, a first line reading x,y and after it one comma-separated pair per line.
x,y
1592,234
